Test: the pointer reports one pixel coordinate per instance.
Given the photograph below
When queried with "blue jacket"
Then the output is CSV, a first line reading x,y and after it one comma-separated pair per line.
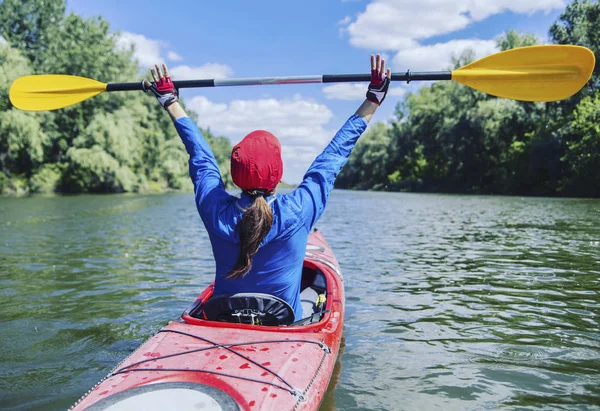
x,y
277,266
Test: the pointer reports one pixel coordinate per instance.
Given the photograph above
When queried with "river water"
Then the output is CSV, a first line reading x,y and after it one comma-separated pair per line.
x,y
452,302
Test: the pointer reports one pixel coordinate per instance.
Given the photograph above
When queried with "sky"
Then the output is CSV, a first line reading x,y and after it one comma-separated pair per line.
x,y
238,39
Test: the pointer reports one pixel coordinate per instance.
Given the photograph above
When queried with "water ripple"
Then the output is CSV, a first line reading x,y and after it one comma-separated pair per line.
x,y
453,302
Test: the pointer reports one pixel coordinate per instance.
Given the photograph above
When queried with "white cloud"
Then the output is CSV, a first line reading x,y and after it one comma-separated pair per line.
x,y
207,71
354,91
345,21
171,55
299,124
2,40
438,56
150,51
401,24
146,51
396,92
345,91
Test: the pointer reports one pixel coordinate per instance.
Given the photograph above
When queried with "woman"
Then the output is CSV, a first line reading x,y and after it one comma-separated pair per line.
x,y
259,239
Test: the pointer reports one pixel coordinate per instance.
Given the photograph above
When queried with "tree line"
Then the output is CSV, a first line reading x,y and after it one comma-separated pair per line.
x,y
445,137
450,138
121,143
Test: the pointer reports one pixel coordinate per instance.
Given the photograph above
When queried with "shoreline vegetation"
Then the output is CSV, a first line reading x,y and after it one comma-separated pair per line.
x,y
445,137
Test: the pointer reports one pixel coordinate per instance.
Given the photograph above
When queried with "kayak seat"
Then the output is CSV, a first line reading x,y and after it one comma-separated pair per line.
x,y
248,308
308,298
312,296
313,278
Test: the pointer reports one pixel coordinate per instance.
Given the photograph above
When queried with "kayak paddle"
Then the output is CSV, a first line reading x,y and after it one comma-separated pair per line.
x,y
535,73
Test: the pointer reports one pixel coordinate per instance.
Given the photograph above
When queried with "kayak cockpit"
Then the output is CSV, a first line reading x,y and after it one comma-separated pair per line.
x,y
248,308
265,309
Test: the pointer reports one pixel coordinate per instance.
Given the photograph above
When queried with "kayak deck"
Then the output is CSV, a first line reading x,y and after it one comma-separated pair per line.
x,y
236,366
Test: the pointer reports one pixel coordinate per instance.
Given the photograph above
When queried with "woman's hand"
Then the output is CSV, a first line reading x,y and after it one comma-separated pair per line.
x,y
378,88
380,80
165,91
163,87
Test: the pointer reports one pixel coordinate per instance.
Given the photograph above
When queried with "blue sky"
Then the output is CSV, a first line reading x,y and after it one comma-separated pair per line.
x,y
235,38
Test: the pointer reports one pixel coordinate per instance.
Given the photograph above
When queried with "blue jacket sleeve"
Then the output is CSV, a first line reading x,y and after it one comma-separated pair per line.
x,y
311,195
204,171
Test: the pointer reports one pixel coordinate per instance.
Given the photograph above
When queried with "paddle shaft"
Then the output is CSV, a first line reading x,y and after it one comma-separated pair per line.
x,y
255,81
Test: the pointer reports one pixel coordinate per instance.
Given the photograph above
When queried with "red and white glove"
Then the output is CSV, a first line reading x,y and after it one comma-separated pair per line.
x,y
163,88
380,80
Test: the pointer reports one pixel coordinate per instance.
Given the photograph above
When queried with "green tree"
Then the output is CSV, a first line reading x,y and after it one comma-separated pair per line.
x,y
583,150
22,142
433,138
31,26
447,137
46,179
12,66
221,148
113,142
367,166
94,170
85,48
511,39
117,134
579,24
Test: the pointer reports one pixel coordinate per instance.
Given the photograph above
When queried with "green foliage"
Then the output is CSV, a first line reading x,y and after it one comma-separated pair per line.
x,y
4,182
46,179
12,186
436,143
366,168
173,163
114,142
31,26
22,141
94,170
12,66
511,40
579,24
450,138
221,147
467,56
446,137
117,134
583,149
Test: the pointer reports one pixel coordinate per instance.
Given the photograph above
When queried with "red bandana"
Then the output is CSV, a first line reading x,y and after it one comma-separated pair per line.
x,y
256,162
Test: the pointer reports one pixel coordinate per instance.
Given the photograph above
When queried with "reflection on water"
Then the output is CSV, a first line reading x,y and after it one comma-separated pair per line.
x,y
328,403
452,302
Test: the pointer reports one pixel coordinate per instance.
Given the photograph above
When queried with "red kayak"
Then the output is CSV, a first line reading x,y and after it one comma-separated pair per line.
x,y
205,361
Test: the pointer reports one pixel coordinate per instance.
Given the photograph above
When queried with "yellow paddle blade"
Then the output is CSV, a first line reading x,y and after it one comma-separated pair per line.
x,y
536,73
52,91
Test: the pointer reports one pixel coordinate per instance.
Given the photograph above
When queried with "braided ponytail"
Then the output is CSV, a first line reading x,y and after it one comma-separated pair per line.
x,y
254,227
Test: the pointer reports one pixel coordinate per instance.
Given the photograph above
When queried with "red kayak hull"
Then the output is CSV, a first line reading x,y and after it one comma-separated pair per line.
x,y
259,367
